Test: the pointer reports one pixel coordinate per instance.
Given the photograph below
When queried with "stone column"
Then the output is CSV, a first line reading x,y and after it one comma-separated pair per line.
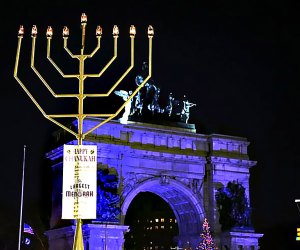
x,y
240,240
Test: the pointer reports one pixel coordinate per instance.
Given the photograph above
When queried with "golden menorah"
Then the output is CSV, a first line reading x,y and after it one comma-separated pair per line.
x,y
81,76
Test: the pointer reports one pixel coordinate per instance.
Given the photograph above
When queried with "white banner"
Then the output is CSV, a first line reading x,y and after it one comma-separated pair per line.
x,y
79,196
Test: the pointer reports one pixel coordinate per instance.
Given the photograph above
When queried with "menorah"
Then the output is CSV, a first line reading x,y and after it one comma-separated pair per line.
x,y
81,76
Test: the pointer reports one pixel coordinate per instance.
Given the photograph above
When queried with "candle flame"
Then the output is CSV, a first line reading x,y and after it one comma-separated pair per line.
x,y
21,31
132,31
115,31
34,31
65,31
49,32
83,18
98,31
150,31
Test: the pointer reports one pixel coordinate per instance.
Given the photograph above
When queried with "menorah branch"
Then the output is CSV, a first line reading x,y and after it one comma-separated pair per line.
x,y
96,49
53,63
122,77
66,47
110,61
134,92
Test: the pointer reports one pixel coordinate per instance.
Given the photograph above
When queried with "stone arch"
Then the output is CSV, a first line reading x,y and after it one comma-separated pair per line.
x,y
187,208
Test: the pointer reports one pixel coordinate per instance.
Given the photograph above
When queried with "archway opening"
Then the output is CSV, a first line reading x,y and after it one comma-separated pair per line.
x,y
152,223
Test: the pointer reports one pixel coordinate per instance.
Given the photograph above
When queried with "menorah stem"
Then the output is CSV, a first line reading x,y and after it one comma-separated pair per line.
x,y
78,238
81,98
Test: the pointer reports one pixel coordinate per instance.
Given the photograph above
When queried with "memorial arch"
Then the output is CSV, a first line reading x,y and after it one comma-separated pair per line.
x,y
173,161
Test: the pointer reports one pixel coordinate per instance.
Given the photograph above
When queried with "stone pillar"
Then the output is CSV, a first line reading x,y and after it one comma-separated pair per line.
x,y
96,237
104,236
60,238
235,240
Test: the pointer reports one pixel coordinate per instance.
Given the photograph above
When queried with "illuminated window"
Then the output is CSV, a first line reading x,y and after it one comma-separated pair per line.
x,y
175,221
162,220
162,227
171,227
171,220
156,220
150,228
150,221
156,227
298,234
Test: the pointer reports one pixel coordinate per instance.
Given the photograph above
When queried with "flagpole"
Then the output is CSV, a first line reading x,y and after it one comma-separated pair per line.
x,y
21,205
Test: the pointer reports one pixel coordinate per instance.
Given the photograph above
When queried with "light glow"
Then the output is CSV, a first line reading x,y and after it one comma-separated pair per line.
x,y
65,31
98,31
21,31
298,234
49,32
34,31
132,31
83,18
115,31
150,31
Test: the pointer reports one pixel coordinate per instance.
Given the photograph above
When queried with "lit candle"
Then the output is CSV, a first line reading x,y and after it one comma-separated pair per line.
x,y
132,31
65,32
98,31
49,32
21,31
34,31
150,31
115,31
83,18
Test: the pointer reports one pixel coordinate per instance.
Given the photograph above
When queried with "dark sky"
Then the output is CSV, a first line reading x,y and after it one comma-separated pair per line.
x,y
238,60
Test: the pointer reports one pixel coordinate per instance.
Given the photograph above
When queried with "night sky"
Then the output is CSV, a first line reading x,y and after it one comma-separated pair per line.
x,y
237,60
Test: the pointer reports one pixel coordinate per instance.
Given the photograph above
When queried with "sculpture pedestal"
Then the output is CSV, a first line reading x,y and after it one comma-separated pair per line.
x,y
96,237
244,239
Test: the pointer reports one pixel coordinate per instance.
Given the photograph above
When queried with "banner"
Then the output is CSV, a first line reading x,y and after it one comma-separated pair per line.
x,y
79,197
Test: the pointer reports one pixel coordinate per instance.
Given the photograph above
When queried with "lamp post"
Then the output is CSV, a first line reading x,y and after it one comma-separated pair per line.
x,y
81,95
22,198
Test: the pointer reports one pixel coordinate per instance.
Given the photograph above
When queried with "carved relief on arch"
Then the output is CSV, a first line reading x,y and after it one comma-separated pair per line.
x,y
184,181
131,180
196,186
164,179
